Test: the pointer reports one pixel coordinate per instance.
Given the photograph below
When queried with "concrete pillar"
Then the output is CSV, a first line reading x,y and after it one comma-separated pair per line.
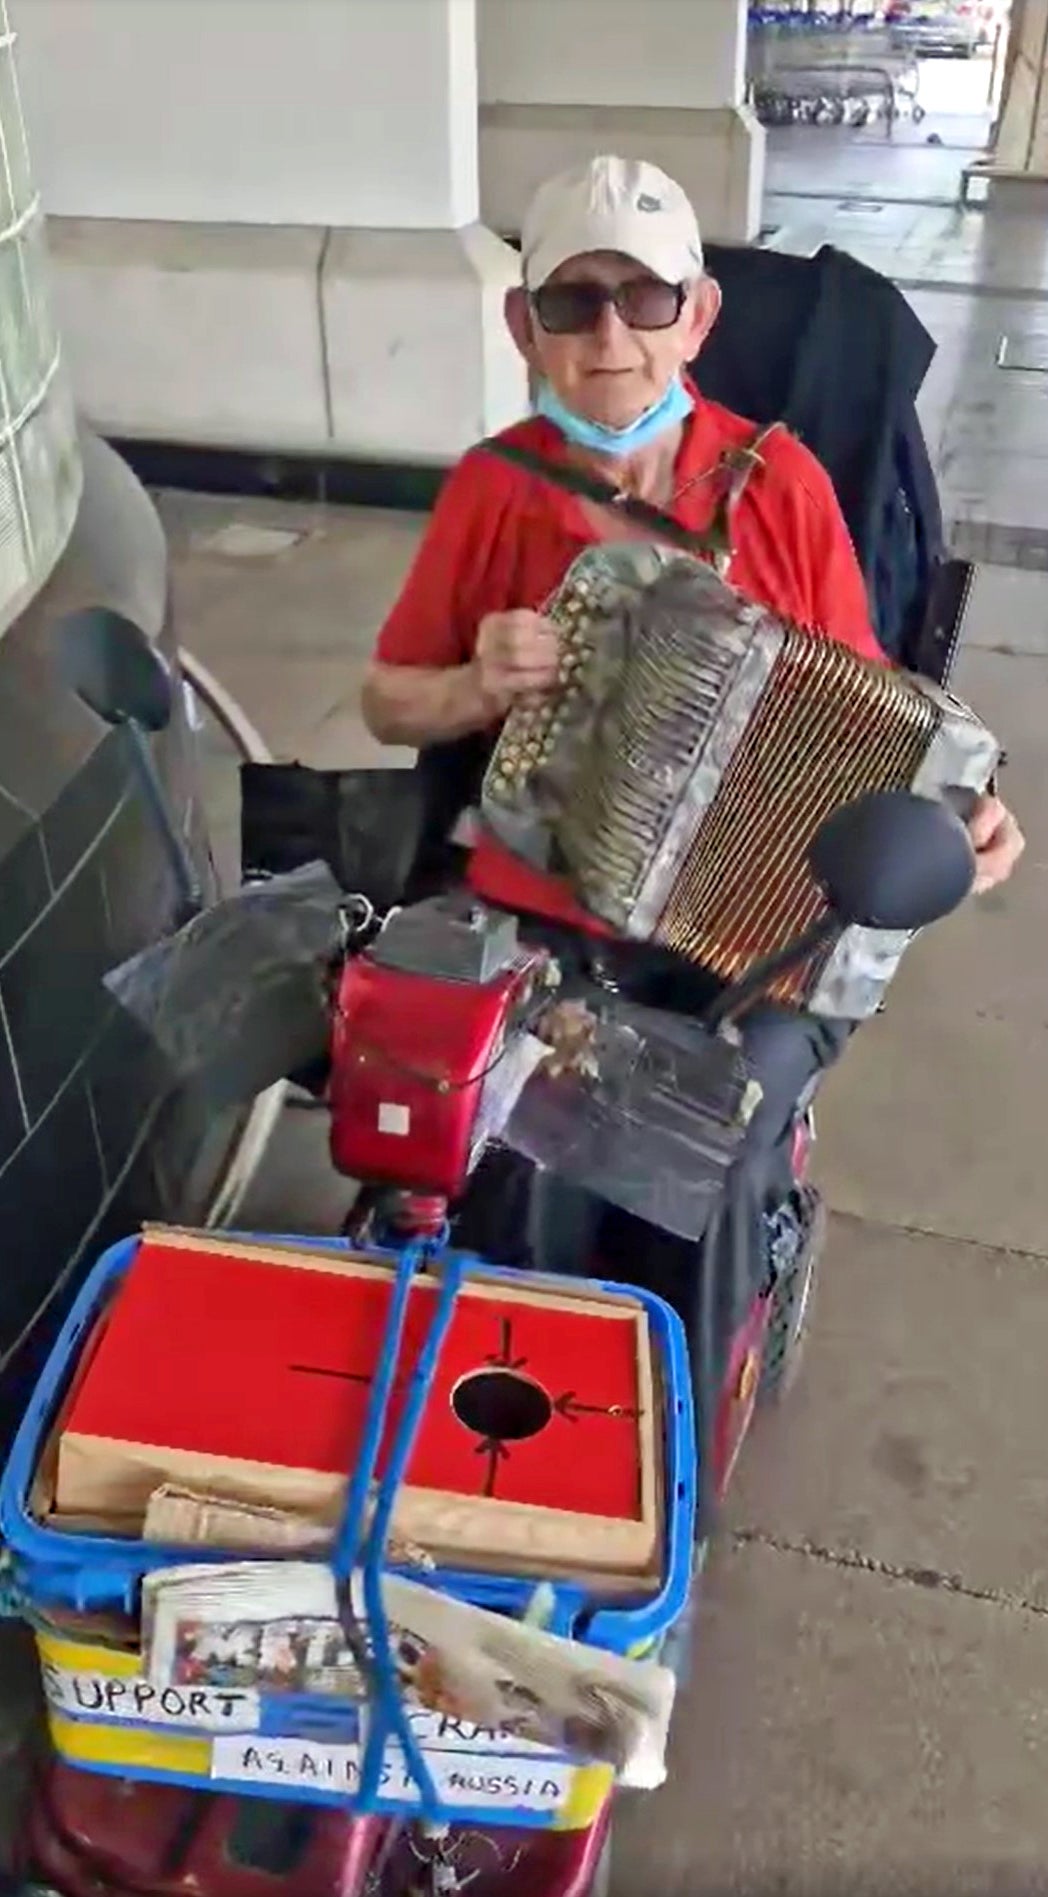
x,y
264,222
40,470
563,79
1020,154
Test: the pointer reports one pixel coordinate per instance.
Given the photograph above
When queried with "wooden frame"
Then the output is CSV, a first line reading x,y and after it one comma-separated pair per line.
x,y
98,1476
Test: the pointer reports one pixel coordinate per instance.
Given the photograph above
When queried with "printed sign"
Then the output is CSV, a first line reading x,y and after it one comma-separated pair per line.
x,y
443,1732
286,1762
80,1694
466,1770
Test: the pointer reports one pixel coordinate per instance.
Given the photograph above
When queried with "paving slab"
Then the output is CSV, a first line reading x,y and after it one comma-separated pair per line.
x,y
1007,614
326,585
928,1354
812,162
288,631
936,1117
847,1733
296,1188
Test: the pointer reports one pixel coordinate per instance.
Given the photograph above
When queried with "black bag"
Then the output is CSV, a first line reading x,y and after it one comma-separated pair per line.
x,y
367,826
832,349
383,833
237,998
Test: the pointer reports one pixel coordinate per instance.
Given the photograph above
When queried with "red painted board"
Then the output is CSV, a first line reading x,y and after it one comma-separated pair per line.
x,y
224,1355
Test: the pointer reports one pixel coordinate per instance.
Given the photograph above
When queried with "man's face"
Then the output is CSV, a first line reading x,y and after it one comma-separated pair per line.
x,y
615,366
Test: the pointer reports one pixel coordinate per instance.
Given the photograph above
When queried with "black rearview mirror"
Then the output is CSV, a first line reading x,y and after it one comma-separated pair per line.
x,y
893,860
890,860
117,672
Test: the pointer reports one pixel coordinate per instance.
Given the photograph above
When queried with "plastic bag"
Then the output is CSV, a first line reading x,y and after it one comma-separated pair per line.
x,y
645,1109
237,999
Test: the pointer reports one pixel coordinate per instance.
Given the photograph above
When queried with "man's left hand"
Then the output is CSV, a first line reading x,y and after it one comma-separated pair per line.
x,y
998,841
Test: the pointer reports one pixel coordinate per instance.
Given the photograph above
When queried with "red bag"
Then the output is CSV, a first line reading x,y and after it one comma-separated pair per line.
x,y
92,1836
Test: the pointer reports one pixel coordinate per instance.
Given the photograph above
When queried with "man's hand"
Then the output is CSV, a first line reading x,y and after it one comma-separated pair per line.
x,y
517,656
998,841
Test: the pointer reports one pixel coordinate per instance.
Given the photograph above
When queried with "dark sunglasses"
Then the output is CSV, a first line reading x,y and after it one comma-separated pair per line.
x,y
572,309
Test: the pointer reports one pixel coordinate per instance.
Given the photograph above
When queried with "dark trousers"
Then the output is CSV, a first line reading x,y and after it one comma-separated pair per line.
x,y
787,1053
712,1282
520,1216
515,1215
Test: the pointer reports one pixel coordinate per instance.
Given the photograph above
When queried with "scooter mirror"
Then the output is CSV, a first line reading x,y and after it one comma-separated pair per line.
x,y
893,860
115,669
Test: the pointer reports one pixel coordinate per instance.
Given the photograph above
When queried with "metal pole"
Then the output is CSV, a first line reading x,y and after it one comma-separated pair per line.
x,y
183,869
998,39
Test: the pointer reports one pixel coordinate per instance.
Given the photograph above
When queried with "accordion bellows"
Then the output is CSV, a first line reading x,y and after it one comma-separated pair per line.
x,y
694,745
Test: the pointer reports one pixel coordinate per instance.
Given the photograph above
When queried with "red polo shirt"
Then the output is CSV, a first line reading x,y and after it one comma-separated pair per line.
x,y
501,538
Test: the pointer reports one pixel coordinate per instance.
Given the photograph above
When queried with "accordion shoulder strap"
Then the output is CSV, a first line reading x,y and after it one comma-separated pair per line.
x,y
591,487
737,465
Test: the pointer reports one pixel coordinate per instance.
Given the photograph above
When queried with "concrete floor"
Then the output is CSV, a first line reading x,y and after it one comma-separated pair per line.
x,y
871,1674
978,280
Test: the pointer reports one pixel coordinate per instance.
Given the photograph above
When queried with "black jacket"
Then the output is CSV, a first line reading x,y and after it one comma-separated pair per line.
x,y
834,350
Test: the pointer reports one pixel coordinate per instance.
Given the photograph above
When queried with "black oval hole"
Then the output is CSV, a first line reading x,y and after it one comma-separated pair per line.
x,y
501,1405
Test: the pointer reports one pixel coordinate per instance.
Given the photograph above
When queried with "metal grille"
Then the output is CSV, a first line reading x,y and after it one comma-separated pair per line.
x,y
40,472
828,728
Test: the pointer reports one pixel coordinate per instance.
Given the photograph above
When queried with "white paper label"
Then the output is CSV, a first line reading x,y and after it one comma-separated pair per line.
x,y
509,1783
393,1118
441,1732
136,1702
483,1772
259,1761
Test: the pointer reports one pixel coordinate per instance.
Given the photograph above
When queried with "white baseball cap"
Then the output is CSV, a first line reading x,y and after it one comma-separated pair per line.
x,y
617,204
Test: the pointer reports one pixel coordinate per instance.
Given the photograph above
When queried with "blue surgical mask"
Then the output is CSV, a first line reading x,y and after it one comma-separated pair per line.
x,y
674,407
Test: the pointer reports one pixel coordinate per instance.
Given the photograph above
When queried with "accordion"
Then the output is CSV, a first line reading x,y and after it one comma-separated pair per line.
x,y
693,746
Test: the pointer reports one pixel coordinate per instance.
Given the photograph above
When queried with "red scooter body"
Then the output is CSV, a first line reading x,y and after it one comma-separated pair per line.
x,y
409,1058
411,1054
106,1837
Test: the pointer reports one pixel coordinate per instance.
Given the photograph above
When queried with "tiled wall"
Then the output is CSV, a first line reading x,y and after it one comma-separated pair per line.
x,y
91,1139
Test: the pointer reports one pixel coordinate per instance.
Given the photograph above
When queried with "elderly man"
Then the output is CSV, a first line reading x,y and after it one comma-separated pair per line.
x,y
613,305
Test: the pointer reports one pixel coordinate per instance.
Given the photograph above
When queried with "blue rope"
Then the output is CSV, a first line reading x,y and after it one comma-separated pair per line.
x,y
390,1716
351,1534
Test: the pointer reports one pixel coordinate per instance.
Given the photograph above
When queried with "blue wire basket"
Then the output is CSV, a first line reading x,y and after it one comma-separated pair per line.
x,y
96,1573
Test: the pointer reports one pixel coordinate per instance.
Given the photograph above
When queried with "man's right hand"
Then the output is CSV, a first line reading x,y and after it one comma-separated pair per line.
x,y
517,656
